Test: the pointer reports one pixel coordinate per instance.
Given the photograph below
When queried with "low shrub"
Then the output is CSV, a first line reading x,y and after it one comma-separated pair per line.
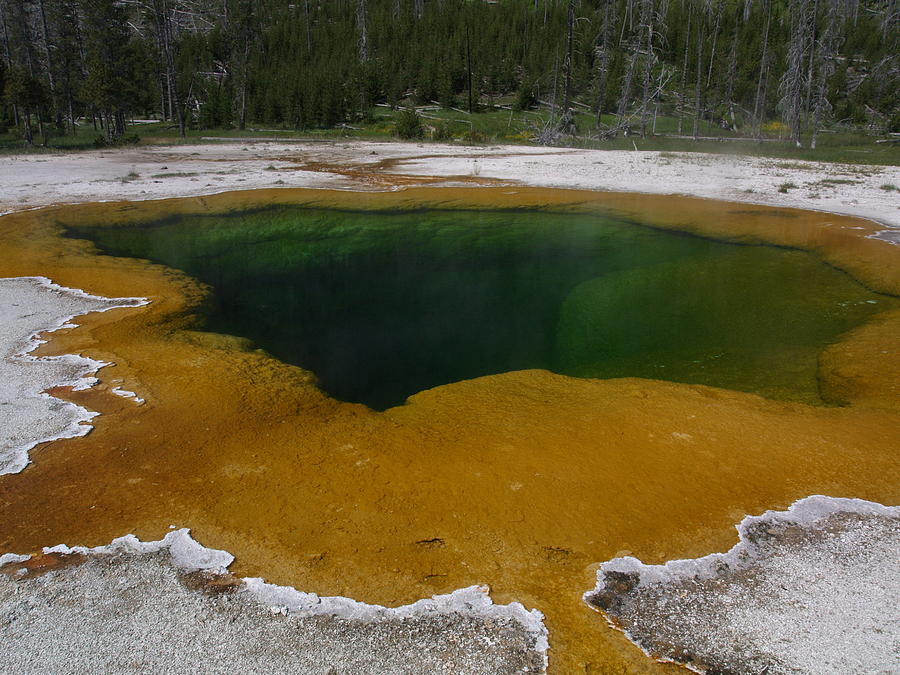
x,y
475,137
442,131
102,141
525,97
409,125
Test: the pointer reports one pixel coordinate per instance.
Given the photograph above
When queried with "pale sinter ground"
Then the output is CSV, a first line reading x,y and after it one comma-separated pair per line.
x,y
171,607
29,306
814,590
29,181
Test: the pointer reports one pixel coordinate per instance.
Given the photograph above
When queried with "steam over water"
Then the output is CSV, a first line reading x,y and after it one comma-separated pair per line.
x,y
381,305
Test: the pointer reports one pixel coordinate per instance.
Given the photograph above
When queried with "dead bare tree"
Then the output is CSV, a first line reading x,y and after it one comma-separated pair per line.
x,y
759,102
885,73
602,54
716,10
662,80
811,38
7,52
633,46
241,38
731,73
648,54
793,81
23,65
625,96
828,43
701,33
567,119
362,26
308,26
469,70
48,53
684,68
69,46
162,16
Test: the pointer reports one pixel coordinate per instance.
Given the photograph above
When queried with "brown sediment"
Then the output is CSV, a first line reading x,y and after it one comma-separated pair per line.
x,y
375,175
211,583
522,481
42,563
383,169
381,174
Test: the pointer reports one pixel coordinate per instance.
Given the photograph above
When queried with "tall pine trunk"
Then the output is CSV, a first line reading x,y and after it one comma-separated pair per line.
x,y
362,26
759,105
697,101
684,69
646,48
602,53
828,44
567,121
792,83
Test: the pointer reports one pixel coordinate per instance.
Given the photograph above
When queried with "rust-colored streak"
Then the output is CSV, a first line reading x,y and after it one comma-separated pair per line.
x,y
376,176
522,481
43,563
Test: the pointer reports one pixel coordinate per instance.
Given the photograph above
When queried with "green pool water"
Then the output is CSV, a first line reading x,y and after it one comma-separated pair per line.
x,y
381,305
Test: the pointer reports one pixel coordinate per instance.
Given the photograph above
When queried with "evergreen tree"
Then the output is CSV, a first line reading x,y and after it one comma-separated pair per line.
x,y
306,64
108,83
27,93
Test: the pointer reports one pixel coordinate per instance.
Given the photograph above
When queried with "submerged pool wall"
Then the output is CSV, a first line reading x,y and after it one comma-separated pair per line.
x,y
383,304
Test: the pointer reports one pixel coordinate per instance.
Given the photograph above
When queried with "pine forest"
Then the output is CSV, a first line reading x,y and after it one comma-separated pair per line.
x,y
597,69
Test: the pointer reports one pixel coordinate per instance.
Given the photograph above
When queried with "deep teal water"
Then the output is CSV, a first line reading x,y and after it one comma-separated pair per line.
x,y
381,305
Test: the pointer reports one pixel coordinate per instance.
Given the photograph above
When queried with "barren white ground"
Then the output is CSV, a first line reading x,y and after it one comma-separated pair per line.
x,y
29,181
150,607
30,307
814,590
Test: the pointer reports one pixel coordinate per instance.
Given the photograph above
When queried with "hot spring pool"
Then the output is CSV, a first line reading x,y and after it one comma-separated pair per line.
x,y
383,304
